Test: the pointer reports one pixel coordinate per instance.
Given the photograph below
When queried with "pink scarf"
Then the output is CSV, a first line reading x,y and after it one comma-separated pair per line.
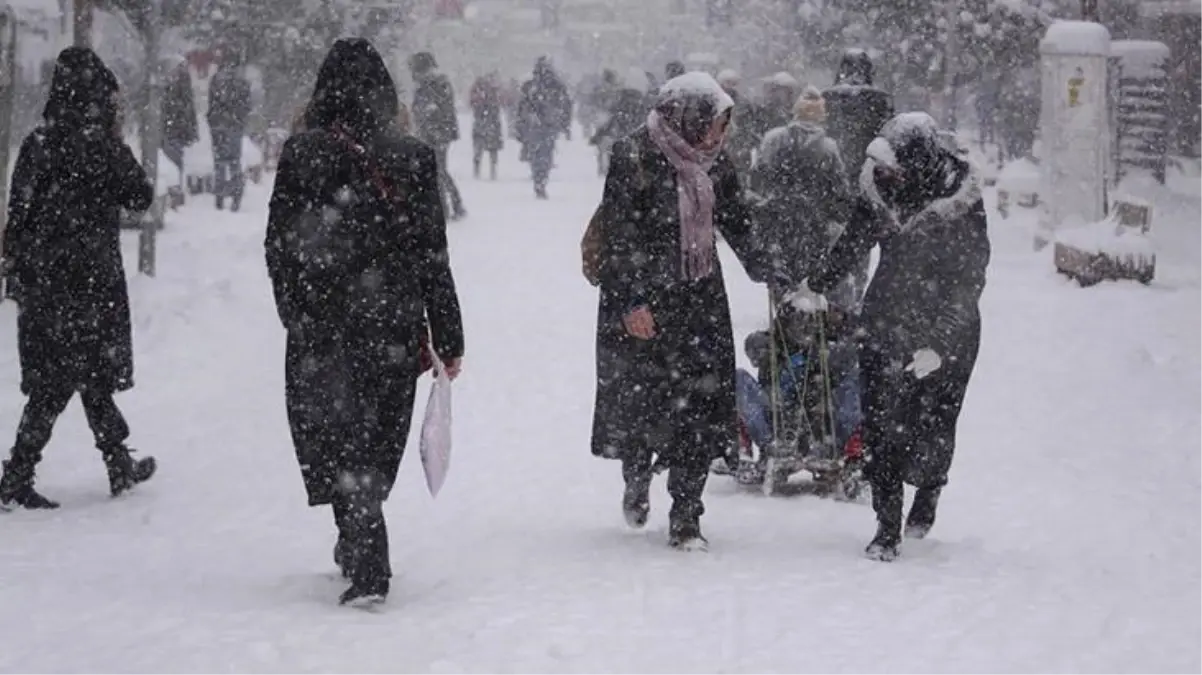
x,y
695,191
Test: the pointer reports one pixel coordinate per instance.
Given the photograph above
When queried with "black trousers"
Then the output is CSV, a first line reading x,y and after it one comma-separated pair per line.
x,y
42,411
909,430
363,537
450,192
227,164
686,482
542,157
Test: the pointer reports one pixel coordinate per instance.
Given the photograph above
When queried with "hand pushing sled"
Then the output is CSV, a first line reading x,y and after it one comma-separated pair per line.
x,y
801,413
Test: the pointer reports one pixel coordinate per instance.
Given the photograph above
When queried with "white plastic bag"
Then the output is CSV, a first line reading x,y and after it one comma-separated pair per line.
x,y
436,430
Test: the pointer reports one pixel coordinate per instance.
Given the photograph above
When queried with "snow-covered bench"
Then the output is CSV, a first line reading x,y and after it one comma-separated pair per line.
x,y
1115,249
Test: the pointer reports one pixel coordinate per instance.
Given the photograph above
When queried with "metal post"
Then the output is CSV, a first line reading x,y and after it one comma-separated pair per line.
x,y
951,65
151,135
82,23
8,64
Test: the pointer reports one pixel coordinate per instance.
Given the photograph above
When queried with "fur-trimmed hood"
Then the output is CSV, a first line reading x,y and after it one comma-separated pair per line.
x,y
910,145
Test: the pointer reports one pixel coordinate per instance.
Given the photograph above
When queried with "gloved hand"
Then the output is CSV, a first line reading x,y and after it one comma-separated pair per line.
x,y
925,362
805,300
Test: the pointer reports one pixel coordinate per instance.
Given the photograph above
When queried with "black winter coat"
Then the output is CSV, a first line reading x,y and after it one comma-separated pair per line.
x,y
801,190
356,276
434,115
229,100
855,114
72,178
545,110
674,394
927,287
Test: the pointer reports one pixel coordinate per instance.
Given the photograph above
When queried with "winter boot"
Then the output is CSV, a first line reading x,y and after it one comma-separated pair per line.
x,y
361,595
636,500
220,203
124,471
887,501
685,534
922,512
16,490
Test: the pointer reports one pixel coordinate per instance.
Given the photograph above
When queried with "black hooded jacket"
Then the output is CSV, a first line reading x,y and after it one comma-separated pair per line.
x,y
72,177
923,206
545,110
356,237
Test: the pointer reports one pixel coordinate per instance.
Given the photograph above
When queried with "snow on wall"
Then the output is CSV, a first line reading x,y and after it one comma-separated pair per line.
x,y
1141,58
1083,38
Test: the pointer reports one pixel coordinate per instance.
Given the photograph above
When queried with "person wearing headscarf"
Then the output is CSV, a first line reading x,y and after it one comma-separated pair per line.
x,y
62,255
665,351
356,250
920,325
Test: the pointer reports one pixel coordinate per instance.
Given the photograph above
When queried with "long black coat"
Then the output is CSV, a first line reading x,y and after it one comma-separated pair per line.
x,y
72,177
356,276
672,395
925,294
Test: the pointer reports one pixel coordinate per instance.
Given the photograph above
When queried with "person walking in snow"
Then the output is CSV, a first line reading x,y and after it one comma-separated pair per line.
x,y
436,122
665,351
920,323
488,136
802,201
62,248
544,113
229,108
626,113
356,250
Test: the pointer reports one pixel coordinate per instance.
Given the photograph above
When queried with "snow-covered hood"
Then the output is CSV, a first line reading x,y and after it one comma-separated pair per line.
x,y
944,209
696,84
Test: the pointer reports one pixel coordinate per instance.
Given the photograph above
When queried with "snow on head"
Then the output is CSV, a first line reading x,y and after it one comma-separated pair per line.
x,y
907,125
696,84
1081,38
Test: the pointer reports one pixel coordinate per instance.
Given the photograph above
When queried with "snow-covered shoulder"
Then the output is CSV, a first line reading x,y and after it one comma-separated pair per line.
x,y
1084,38
696,83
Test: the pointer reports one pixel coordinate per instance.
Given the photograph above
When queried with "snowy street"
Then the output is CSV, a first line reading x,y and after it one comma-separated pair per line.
x,y
1069,538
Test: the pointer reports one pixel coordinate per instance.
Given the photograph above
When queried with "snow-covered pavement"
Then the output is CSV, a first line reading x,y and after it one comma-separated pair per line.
x,y
1069,538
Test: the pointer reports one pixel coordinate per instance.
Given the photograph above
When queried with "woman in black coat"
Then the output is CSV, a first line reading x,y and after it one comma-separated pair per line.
x,y
921,322
62,249
665,350
357,254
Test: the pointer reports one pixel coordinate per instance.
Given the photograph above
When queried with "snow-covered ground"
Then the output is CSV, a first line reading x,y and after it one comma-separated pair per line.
x,y
1068,539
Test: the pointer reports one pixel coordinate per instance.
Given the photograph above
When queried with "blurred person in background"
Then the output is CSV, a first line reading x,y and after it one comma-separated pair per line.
x,y
436,122
229,109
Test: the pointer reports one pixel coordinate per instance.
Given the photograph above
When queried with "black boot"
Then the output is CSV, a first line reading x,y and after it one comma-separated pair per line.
x,y
636,500
922,512
887,501
220,203
16,489
686,484
124,471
